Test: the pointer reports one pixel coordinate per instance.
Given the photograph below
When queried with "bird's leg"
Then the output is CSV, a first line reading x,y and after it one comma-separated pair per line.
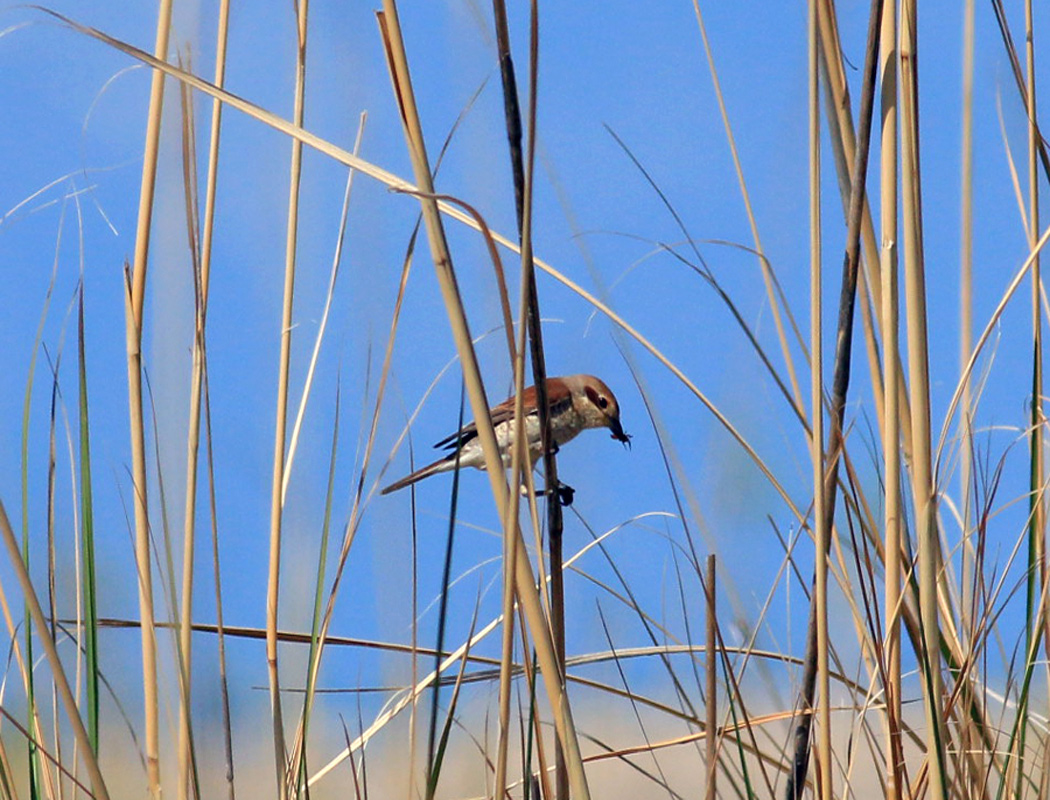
x,y
562,491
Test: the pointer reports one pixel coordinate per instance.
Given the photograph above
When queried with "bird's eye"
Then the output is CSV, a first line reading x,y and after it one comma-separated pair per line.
x,y
603,402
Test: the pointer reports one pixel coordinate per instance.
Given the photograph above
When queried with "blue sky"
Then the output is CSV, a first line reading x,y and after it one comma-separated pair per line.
x,y
77,113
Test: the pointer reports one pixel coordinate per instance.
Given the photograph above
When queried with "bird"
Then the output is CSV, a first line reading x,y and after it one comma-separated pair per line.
x,y
575,403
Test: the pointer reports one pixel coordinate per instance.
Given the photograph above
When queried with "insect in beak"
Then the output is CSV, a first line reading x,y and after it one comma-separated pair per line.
x,y
618,434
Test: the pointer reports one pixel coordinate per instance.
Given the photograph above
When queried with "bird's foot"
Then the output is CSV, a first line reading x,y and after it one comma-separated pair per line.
x,y
564,492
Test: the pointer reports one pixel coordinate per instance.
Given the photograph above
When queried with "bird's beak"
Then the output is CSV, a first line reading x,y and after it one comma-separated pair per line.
x,y
617,431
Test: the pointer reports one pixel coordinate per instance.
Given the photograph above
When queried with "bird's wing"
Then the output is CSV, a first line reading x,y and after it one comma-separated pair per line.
x,y
558,398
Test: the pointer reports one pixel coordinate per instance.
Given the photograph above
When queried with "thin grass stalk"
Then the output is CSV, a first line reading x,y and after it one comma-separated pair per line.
x,y
522,170
45,781
968,738
839,120
510,553
48,783
711,674
413,789
297,766
434,755
166,572
65,693
220,632
839,390
521,475
80,557
512,116
929,556
88,581
322,328
535,727
891,431
767,276
136,287
276,504
32,721
816,338
522,182
450,718
1037,504
202,282
24,672
742,720
526,589
1015,67
184,614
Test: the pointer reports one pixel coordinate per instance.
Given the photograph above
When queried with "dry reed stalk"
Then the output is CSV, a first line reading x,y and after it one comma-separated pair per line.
x,y
929,556
839,390
136,292
220,625
513,121
1038,466
510,554
821,521
182,611
519,476
839,118
196,398
711,674
526,588
1036,573
971,740
276,504
531,301
65,693
843,141
891,432
522,169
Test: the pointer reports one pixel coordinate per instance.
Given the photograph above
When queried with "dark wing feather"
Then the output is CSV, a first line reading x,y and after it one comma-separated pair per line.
x,y
503,413
459,438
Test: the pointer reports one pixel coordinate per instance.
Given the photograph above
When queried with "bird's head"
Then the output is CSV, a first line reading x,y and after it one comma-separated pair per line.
x,y
597,405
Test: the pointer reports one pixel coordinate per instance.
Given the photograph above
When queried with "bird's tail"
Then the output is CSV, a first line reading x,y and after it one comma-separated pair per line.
x,y
441,465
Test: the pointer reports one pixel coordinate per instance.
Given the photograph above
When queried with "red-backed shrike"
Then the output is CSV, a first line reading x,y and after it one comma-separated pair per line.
x,y
576,402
